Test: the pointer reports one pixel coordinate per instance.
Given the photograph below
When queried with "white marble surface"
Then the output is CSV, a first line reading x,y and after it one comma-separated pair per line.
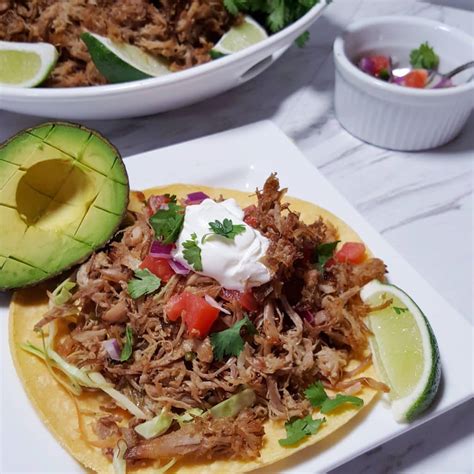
x,y
421,202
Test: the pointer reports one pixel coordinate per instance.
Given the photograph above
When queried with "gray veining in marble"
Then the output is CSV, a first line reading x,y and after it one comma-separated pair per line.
x,y
422,202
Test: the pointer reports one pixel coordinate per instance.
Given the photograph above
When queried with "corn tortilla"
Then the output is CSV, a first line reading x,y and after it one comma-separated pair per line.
x,y
57,408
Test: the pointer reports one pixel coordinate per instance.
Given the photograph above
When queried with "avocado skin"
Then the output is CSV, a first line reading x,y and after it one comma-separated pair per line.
x,y
16,272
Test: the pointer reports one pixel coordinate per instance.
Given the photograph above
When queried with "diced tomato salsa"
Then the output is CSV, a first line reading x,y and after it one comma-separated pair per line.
x,y
158,266
351,252
197,313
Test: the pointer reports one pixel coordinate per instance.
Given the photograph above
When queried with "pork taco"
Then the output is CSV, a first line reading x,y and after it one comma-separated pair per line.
x,y
217,332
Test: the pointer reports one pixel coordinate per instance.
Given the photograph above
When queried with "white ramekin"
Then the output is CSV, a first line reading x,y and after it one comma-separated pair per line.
x,y
392,116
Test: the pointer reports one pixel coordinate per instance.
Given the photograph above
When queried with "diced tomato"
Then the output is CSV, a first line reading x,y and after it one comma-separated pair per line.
x,y
380,63
155,202
351,252
158,266
175,306
197,313
330,263
249,216
416,78
246,299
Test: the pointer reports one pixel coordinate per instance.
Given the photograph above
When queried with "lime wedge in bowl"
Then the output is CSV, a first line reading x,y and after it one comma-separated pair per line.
x,y
404,349
248,33
122,62
26,64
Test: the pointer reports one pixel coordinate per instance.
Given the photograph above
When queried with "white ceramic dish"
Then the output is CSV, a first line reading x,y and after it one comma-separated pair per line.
x,y
159,94
395,117
251,154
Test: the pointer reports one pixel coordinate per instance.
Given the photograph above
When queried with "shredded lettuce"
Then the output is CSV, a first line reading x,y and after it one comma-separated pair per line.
x,y
78,377
188,416
62,293
118,462
156,426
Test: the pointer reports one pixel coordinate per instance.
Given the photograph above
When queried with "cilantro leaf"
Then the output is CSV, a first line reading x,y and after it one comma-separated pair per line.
x,y
192,253
234,6
302,39
323,253
297,429
399,310
424,57
316,394
229,342
167,223
128,346
318,398
332,403
226,229
144,283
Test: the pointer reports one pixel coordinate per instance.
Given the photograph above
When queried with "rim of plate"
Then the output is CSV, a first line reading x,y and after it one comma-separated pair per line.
x,y
356,73
181,76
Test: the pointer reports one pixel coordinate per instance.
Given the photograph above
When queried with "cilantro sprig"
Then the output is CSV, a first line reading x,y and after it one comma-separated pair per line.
x,y
167,223
276,13
424,57
318,398
226,229
192,252
230,342
128,346
323,253
299,428
399,310
144,283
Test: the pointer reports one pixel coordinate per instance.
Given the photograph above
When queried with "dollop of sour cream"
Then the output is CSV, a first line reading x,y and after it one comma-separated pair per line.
x,y
235,264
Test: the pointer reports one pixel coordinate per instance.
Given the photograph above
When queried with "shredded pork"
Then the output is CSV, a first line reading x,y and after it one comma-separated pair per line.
x,y
310,324
181,31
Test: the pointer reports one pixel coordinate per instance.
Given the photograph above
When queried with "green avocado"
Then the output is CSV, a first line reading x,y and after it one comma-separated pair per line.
x,y
63,194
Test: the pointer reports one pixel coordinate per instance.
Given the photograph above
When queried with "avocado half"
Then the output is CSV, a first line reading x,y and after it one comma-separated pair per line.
x,y
63,193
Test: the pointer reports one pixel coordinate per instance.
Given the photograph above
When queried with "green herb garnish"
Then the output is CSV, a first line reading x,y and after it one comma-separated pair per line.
x,y
424,57
318,398
192,253
144,283
226,229
323,253
302,39
399,310
128,346
229,342
298,428
384,75
276,13
167,223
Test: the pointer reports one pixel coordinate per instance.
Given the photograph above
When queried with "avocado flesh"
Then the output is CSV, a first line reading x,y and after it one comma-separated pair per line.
x,y
63,193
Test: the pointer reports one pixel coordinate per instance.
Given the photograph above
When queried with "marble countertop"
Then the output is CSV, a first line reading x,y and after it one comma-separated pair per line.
x,y
421,202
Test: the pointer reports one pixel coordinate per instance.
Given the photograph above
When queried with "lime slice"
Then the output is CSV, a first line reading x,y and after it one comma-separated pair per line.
x,y
404,349
122,62
25,64
242,36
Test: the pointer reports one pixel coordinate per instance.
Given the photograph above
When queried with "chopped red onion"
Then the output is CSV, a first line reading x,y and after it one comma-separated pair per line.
x,y
210,300
444,82
196,198
308,316
398,80
367,65
160,250
112,348
178,267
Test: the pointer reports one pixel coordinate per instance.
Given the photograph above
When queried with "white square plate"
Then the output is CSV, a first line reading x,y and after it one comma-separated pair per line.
x,y
243,159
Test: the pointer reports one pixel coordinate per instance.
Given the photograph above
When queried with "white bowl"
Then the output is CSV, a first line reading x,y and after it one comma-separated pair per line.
x,y
159,94
395,117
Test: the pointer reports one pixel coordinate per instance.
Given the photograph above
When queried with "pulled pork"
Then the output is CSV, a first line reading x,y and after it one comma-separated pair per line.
x,y
309,326
181,31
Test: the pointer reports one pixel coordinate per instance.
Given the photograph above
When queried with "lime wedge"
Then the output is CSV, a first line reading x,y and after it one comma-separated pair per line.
x,y
25,64
242,36
122,62
404,349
